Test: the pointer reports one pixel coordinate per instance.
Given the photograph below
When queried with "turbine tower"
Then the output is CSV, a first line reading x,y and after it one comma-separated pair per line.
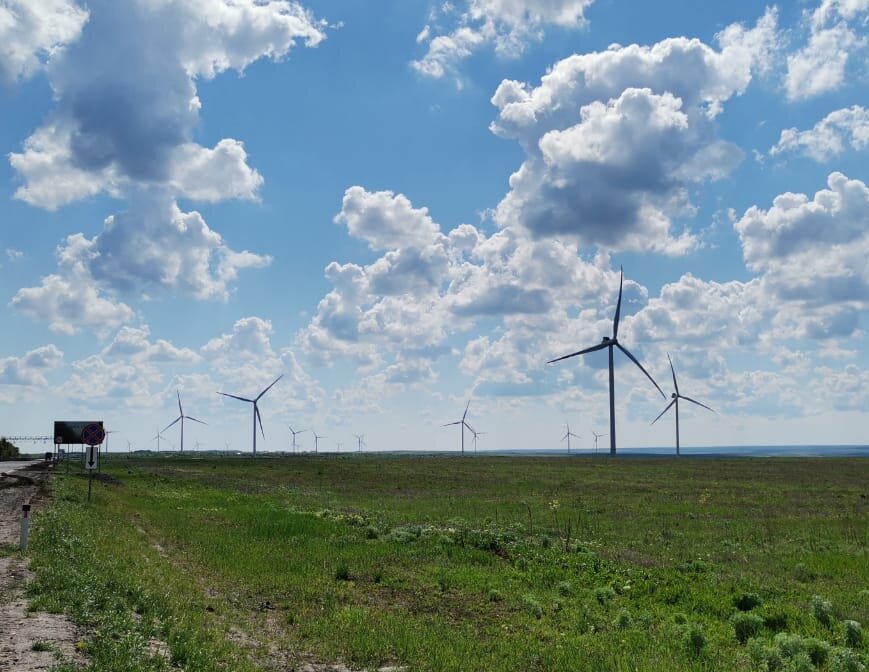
x,y
675,397
360,441
609,344
463,425
256,413
596,437
476,434
181,418
317,438
568,435
294,435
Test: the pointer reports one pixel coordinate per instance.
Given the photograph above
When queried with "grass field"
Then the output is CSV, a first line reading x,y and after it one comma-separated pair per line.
x,y
441,563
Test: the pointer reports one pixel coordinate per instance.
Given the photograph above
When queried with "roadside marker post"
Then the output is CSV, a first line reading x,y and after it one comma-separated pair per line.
x,y
92,435
25,526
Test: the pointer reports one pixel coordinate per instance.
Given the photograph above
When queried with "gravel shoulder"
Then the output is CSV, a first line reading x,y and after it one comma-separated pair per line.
x,y
28,640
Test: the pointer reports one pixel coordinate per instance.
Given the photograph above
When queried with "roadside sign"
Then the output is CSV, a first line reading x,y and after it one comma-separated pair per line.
x,y
92,457
93,434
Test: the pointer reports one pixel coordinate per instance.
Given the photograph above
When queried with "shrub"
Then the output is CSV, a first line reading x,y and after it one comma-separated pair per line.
x,y
803,574
845,660
342,572
853,634
746,626
604,594
789,644
680,619
564,588
747,601
623,620
494,595
764,656
817,649
371,532
800,663
694,639
533,606
822,610
521,564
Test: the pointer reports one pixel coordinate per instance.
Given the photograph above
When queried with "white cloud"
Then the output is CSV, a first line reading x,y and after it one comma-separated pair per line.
x,y
132,343
33,31
829,137
616,139
507,24
31,368
820,65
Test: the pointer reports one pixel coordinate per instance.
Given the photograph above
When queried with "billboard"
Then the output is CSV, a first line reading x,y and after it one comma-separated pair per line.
x,y
69,431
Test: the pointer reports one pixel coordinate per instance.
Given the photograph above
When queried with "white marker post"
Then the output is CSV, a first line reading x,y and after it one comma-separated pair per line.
x,y
91,462
25,526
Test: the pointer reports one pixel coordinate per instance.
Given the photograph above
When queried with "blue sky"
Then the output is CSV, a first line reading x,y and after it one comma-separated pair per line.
x,y
401,206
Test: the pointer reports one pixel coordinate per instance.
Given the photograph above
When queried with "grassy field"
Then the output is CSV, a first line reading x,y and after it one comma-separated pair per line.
x,y
441,563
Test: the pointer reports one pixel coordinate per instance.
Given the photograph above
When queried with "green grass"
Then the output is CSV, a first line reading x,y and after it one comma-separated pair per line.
x,y
441,563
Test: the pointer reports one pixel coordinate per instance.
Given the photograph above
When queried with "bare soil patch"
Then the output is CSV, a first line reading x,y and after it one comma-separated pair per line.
x,y
29,641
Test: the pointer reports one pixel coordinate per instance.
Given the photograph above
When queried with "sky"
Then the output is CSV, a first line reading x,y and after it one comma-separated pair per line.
x,y
404,206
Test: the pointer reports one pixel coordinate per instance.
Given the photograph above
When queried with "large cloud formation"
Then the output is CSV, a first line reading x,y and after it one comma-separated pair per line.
x,y
126,108
615,140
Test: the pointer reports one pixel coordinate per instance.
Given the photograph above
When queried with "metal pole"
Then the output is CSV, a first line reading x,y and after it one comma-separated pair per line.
x,y
254,429
612,405
90,483
25,526
677,426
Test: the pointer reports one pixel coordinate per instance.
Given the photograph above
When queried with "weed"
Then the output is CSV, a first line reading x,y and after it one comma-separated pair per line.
x,y
803,574
817,649
694,639
41,646
494,595
371,532
342,572
623,620
822,610
747,601
679,618
746,626
565,589
800,663
853,634
604,594
532,604
764,656
845,660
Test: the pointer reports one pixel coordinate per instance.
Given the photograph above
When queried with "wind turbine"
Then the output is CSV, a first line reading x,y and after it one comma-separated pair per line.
x,y
198,446
158,436
129,446
568,435
256,413
294,435
463,425
611,343
476,434
675,402
317,438
596,437
360,441
339,444
181,417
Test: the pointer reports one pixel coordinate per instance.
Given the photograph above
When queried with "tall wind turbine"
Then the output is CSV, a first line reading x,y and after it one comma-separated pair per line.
x,y
360,441
596,437
675,402
463,425
609,344
294,435
568,435
256,413
181,417
317,438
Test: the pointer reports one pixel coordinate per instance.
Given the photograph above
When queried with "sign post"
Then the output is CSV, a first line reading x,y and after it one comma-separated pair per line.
x,y
92,435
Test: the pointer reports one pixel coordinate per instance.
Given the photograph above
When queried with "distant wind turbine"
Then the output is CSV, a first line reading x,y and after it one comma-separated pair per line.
x,y
181,417
317,438
360,441
256,413
675,402
198,445
476,434
157,437
339,444
129,446
596,437
462,424
611,343
568,435
294,435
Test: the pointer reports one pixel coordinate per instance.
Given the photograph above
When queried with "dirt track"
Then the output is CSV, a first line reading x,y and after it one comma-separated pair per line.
x,y
20,630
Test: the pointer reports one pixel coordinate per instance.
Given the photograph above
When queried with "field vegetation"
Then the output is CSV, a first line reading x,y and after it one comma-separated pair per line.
x,y
441,563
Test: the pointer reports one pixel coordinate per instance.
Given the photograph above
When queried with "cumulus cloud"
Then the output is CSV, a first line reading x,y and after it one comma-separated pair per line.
x,y
509,25
820,65
126,107
33,32
133,343
31,368
848,127
616,139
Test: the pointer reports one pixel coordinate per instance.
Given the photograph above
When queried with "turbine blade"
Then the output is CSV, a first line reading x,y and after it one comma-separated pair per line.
x,y
468,426
465,414
599,346
250,401
190,417
673,371
457,422
694,401
170,424
180,410
636,361
618,304
269,387
259,417
662,412
565,436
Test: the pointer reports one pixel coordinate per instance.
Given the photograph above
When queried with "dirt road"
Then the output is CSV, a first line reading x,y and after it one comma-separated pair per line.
x,y
28,640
